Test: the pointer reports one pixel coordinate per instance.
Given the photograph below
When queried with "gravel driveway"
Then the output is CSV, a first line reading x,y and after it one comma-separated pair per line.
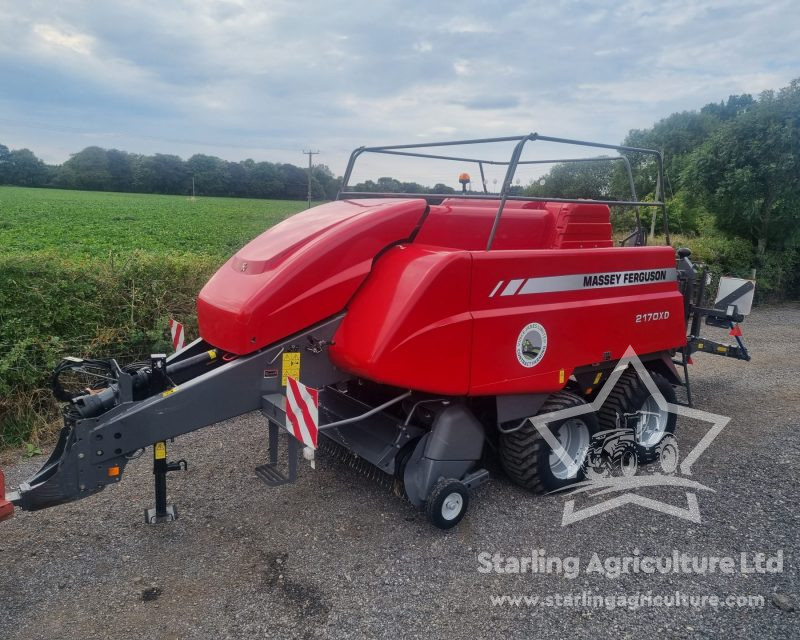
x,y
336,556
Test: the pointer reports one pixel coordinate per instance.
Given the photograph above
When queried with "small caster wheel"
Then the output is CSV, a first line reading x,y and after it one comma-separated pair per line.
x,y
447,503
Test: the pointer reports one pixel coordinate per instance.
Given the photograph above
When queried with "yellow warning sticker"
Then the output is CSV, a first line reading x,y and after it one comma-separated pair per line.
x,y
597,378
160,450
291,366
169,392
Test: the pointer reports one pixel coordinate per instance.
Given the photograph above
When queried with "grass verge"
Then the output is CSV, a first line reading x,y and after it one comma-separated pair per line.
x,y
52,305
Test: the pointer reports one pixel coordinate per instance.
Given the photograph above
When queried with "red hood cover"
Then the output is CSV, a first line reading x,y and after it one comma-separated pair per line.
x,y
300,271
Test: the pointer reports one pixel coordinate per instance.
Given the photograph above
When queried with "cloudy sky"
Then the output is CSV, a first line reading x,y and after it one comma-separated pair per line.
x,y
266,79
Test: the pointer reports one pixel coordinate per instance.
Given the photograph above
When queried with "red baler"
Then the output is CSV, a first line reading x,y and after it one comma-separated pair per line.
x,y
407,332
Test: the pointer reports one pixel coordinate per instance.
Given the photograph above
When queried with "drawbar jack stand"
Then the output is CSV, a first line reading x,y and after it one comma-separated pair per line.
x,y
162,512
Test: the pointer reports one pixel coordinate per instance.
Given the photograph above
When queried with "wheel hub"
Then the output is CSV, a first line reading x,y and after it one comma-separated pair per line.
x,y
652,423
573,436
452,505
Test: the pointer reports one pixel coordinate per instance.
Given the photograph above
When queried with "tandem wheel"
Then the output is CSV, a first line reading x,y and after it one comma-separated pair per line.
x,y
447,503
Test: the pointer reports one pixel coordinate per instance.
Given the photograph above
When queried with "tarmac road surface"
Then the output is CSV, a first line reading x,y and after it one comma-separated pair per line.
x,y
334,556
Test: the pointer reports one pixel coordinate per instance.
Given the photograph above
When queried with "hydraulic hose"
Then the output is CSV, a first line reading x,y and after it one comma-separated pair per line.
x,y
94,404
200,358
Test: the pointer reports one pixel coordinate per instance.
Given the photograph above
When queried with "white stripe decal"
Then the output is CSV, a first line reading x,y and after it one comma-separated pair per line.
x,y
511,287
496,287
582,281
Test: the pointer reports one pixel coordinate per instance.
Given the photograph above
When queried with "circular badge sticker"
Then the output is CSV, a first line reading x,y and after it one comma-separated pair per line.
x,y
531,345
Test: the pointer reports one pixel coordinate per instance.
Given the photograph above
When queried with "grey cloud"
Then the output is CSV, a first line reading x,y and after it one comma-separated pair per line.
x,y
267,78
489,102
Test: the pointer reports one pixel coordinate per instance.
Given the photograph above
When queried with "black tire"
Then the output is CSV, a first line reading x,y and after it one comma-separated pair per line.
x,y
525,455
446,495
630,395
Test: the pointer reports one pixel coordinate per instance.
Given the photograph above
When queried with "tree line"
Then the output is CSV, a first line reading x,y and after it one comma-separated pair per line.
x,y
731,167
98,169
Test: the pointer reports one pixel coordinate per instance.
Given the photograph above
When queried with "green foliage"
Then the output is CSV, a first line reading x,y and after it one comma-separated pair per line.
x,y
746,173
75,281
52,305
22,167
19,423
731,182
88,169
390,185
779,275
724,255
675,136
686,215
578,180
32,450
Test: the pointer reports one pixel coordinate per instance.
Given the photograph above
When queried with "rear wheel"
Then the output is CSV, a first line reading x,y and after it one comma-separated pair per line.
x,y
530,461
652,423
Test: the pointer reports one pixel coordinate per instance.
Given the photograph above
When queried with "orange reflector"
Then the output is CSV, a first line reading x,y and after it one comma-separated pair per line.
x,y
588,391
113,472
736,331
561,376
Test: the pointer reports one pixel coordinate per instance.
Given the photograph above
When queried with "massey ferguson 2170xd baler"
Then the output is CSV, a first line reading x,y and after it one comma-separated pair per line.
x,y
413,335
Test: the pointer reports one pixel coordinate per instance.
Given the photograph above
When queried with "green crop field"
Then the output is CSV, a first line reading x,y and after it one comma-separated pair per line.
x,y
92,224
92,273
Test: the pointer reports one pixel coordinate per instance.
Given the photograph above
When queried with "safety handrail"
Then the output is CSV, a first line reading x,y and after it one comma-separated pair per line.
x,y
511,167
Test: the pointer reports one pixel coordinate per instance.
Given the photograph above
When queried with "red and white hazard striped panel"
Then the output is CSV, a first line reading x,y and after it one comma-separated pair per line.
x,y
302,412
178,336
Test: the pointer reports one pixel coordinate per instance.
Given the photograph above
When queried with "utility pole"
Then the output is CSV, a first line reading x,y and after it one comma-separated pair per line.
x,y
310,154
